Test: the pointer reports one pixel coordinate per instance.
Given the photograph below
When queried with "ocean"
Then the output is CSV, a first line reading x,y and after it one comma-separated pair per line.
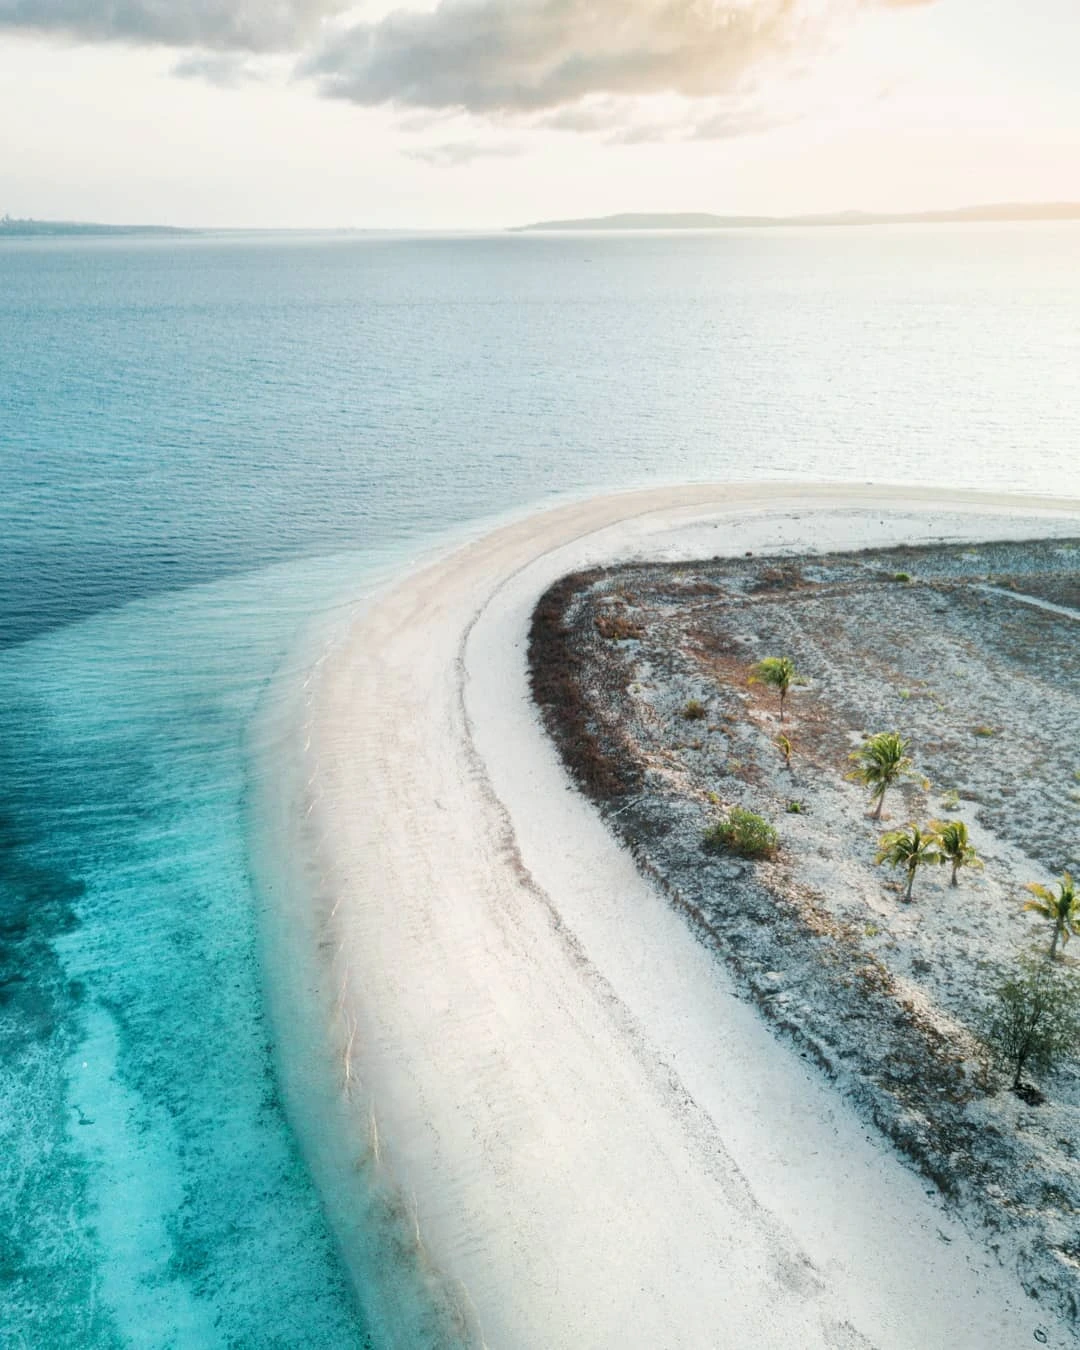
x,y
208,444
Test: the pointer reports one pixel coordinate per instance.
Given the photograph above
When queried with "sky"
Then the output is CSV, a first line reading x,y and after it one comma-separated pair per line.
x,y
474,114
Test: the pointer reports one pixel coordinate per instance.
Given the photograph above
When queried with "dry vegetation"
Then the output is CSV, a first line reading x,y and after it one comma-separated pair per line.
x,y
889,998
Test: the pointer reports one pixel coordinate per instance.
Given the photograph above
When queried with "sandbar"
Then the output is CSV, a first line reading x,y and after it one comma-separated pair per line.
x,y
502,1050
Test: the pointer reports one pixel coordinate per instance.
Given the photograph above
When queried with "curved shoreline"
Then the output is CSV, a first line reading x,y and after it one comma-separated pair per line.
x,y
490,1016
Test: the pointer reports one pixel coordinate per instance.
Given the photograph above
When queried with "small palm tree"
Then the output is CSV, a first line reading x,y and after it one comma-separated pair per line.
x,y
909,848
1061,907
955,846
778,672
880,761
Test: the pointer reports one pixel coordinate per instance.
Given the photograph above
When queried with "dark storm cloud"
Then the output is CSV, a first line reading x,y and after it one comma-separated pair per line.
x,y
220,25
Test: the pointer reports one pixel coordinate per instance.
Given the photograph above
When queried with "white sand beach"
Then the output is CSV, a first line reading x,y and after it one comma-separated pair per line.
x,y
479,1001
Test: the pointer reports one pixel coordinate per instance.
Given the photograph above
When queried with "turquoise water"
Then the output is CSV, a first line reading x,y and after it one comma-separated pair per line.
x,y
205,443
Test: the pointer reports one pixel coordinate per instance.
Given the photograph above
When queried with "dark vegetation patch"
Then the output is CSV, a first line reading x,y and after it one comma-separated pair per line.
x,y
559,669
778,576
618,627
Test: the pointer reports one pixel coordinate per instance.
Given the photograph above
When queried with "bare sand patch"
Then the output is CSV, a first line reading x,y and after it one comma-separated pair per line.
x,y
488,1017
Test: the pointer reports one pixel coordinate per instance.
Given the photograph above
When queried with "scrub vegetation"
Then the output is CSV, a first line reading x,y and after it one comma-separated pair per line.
x,y
878,922
744,833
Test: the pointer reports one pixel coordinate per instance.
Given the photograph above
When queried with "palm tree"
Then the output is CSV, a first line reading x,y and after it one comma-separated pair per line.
x,y
910,848
955,847
880,761
1062,907
778,672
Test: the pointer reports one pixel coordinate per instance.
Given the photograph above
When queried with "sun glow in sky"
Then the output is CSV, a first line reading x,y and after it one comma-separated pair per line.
x,y
478,113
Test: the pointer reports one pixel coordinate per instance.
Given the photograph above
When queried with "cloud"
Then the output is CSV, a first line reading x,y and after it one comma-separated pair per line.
x,y
521,56
216,25
454,153
224,70
584,116
565,64
587,66
697,124
728,122
644,121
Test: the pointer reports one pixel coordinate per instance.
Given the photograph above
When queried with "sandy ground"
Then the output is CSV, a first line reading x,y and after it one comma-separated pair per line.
x,y
883,995
484,1011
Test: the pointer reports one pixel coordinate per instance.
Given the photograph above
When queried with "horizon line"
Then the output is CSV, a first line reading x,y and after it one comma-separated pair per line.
x,y
1016,211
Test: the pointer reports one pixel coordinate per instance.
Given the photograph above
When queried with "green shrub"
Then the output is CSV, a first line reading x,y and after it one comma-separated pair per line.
x,y
1033,1021
901,576
743,832
795,808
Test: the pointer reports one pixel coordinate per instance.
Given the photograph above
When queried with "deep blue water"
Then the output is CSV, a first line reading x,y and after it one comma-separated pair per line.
x,y
176,410
204,442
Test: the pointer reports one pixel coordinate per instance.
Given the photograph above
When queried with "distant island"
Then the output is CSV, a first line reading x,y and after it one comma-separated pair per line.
x,y
12,227
701,220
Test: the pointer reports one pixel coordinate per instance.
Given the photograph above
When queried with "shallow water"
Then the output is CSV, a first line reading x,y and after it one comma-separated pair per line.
x,y
152,1194
207,441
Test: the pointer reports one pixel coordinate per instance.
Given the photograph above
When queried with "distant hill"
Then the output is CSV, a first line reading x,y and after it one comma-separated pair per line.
x,y
10,227
700,220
